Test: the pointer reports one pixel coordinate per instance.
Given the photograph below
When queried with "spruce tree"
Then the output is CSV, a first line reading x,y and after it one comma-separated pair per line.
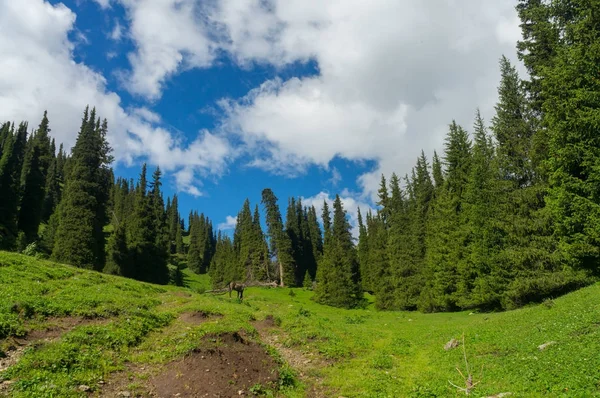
x,y
338,274
194,255
363,254
446,233
571,113
161,229
316,241
35,170
79,236
281,245
10,173
484,198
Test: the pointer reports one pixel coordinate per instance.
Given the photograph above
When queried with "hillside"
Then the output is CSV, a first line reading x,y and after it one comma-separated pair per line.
x,y
69,332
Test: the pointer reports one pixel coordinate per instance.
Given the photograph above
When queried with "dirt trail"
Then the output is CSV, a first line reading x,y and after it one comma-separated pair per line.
x,y
307,364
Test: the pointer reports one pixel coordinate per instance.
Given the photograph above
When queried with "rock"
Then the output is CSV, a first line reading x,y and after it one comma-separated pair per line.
x,y
84,388
546,345
124,394
451,344
241,392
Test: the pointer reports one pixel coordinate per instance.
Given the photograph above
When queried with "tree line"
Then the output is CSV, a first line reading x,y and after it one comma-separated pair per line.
x,y
508,213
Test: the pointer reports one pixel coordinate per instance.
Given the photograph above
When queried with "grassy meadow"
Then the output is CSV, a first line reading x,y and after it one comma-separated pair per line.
x,y
132,327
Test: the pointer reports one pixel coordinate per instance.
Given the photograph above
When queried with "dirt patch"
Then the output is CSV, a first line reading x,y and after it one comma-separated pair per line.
x,y
227,365
53,328
197,317
182,294
307,364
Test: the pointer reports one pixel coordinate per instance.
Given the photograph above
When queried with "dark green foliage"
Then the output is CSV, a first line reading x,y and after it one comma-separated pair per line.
x,y
446,237
223,262
13,154
281,245
33,181
571,112
202,243
363,254
512,129
145,239
338,275
79,237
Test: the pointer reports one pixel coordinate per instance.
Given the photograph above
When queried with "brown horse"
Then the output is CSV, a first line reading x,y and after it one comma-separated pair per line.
x,y
238,287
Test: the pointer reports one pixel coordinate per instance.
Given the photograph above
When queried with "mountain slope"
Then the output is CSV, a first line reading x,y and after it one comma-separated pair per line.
x,y
70,332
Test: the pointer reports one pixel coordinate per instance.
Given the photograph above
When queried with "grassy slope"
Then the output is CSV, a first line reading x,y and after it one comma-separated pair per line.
x,y
372,354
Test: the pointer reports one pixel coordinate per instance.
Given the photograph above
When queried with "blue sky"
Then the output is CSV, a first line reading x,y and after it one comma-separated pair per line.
x,y
309,98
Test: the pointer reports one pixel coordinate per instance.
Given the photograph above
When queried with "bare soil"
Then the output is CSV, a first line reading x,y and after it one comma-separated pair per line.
x,y
307,364
197,317
226,365
14,347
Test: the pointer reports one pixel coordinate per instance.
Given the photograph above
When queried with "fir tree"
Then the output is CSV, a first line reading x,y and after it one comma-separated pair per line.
x,y
338,274
363,254
79,237
35,170
281,246
195,248
10,172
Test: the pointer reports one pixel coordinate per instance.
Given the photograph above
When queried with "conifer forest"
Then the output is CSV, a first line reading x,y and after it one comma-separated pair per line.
x,y
507,214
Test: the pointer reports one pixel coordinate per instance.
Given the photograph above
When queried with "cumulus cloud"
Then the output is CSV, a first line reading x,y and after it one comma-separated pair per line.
x,y
38,72
170,36
229,224
392,73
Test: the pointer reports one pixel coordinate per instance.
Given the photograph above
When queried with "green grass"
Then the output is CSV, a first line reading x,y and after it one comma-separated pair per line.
x,y
369,353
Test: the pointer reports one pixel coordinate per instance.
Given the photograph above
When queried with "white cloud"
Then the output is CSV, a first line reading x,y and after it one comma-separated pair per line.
x,y
37,72
117,33
350,202
336,177
103,3
170,36
230,223
392,73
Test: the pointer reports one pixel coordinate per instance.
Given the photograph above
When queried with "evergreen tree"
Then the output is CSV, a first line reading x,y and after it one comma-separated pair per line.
x,y
79,237
316,241
447,234
222,261
363,254
379,273
569,87
161,228
483,201
10,171
512,130
147,259
35,170
281,245
437,173
195,247
53,190
338,274
244,243
409,258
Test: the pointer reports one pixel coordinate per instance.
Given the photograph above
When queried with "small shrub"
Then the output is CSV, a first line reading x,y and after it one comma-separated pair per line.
x,y
287,377
304,312
292,293
383,361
